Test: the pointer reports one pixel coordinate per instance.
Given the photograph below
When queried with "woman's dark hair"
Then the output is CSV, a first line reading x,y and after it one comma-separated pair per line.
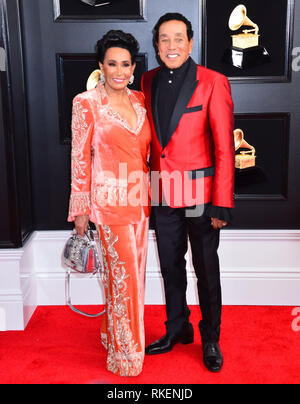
x,y
117,39
170,17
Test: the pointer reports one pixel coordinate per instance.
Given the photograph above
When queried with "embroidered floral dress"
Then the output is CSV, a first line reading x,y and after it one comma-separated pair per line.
x,y
110,183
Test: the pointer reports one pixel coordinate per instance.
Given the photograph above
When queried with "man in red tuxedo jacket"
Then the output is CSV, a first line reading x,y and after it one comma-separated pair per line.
x,y
192,163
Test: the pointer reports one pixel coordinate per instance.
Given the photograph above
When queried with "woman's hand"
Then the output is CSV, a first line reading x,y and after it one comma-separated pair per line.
x,y
81,224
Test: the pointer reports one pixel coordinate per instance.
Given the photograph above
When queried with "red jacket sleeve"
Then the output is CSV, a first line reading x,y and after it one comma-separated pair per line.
x,y
221,119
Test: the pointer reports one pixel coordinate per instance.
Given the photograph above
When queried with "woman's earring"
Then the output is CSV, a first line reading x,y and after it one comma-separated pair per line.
x,y
102,79
131,80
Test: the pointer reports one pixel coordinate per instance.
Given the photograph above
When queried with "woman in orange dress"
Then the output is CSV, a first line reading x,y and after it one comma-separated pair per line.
x,y
110,186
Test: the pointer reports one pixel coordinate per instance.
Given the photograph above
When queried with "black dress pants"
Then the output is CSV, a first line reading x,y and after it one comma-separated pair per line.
x,y
173,228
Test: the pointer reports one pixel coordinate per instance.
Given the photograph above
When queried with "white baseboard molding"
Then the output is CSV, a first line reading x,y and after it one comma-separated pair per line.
x,y
258,267
17,287
280,288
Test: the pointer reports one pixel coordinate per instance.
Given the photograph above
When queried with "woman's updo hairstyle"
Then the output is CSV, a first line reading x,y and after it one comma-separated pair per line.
x,y
117,39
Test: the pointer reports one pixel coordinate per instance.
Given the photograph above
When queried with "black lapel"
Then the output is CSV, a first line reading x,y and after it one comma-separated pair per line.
x,y
154,106
187,90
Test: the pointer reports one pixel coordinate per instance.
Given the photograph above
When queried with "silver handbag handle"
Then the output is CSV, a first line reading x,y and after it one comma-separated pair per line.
x,y
89,233
69,303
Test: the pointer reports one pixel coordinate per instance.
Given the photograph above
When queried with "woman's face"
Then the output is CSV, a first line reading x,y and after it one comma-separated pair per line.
x,y
117,68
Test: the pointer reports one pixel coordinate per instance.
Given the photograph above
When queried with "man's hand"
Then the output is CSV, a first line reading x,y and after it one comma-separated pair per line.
x,y
217,223
81,224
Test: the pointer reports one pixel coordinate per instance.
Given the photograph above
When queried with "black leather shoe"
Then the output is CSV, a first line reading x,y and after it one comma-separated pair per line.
x,y
212,356
167,342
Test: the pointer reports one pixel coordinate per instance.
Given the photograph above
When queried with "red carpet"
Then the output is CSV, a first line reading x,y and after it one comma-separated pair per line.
x,y
61,347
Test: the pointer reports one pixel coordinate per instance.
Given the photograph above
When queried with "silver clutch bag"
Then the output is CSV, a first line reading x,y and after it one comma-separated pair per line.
x,y
81,254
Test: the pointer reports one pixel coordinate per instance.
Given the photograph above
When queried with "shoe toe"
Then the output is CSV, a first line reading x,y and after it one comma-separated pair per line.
x,y
214,365
212,357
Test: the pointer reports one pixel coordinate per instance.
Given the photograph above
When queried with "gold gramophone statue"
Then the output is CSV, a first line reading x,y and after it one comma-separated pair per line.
x,y
245,51
244,159
247,38
93,79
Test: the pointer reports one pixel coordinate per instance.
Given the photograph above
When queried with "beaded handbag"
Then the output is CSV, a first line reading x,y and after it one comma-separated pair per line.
x,y
81,254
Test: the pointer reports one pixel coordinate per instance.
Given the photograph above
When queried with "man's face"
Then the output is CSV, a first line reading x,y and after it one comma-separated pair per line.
x,y
173,44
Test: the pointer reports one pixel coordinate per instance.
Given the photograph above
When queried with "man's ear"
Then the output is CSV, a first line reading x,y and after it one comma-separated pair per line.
x,y
191,44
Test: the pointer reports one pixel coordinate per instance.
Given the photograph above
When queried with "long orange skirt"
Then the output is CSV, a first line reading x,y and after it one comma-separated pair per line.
x,y
124,251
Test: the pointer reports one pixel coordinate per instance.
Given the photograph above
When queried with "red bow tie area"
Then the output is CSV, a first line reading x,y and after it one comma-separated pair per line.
x,y
260,346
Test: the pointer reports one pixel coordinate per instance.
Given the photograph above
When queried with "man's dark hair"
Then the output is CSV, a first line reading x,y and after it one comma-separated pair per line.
x,y
170,17
118,39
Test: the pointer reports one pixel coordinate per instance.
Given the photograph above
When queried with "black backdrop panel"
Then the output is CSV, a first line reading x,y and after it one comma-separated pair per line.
x,y
15,185
5,228
269,135
115,9
275,24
